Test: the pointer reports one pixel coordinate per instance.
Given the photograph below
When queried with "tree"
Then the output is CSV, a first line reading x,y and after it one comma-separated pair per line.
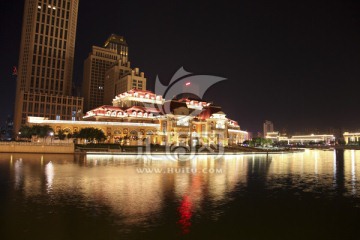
x,y
36,130
25,131
61,134
255,142
74,135
41,131
91,134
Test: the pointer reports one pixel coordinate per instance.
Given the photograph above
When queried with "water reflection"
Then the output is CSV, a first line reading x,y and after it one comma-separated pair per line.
x,y
49,173
185,215
18,168
114,184
353,172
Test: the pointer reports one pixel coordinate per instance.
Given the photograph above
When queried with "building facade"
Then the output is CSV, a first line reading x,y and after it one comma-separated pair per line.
x,y
313,138
46,60
119,45
121,78
107,73
137,117
268,126
99,60
351,138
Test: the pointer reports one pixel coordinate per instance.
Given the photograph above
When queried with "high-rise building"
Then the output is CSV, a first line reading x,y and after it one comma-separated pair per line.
x,y
121,78
118,43
268,127
99,60
46,61
107,72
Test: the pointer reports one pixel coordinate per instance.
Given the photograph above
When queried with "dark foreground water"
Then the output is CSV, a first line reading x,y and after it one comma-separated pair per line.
x,y
311,195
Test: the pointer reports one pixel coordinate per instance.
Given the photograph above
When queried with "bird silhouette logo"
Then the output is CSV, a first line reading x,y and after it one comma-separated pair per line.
x,y
185,82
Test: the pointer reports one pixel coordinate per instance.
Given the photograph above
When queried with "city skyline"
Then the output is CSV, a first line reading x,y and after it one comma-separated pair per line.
x,y
295,64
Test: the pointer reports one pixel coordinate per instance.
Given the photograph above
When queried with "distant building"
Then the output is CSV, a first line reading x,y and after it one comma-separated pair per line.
x,y
302,139
313,138
6,131
276,137
46,61
118,44
268,126
95,66
351,137
107,73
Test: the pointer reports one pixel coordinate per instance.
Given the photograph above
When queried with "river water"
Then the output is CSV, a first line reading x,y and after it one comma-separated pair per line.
x,y
309,195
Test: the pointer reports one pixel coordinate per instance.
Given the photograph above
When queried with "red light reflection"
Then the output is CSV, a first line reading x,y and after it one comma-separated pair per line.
x,y
185,215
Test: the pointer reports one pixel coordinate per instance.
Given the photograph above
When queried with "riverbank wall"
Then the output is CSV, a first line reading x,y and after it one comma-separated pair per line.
x,y
31,147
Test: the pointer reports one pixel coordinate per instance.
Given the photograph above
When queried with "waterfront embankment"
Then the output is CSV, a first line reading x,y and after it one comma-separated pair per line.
x,y
116,149
47,147
31,147
337,147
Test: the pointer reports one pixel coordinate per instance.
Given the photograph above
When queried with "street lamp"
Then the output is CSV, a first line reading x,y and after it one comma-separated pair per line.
x,y
51,136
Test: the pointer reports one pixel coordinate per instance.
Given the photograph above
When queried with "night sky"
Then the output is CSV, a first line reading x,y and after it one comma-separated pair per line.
x,y
296,63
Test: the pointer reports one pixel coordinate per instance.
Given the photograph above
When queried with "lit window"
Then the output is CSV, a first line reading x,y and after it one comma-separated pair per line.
x,y
49,6
54,8
39,7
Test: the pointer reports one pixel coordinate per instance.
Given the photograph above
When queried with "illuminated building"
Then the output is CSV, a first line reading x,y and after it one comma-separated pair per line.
x,y
312,138
272,135
276,137
351,137
99,60
107,73
46,62
120,78
267,127
118,44
302,139
138,117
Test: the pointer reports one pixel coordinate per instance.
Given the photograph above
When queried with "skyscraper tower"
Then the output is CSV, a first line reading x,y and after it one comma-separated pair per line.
x,y
46,61
118,43
95,66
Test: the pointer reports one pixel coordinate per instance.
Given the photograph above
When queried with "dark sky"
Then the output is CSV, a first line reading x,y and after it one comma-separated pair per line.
x,y
296,63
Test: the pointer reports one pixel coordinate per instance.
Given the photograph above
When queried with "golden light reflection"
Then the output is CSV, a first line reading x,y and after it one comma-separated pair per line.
x,y
49,173
351,169
114,182
18,168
